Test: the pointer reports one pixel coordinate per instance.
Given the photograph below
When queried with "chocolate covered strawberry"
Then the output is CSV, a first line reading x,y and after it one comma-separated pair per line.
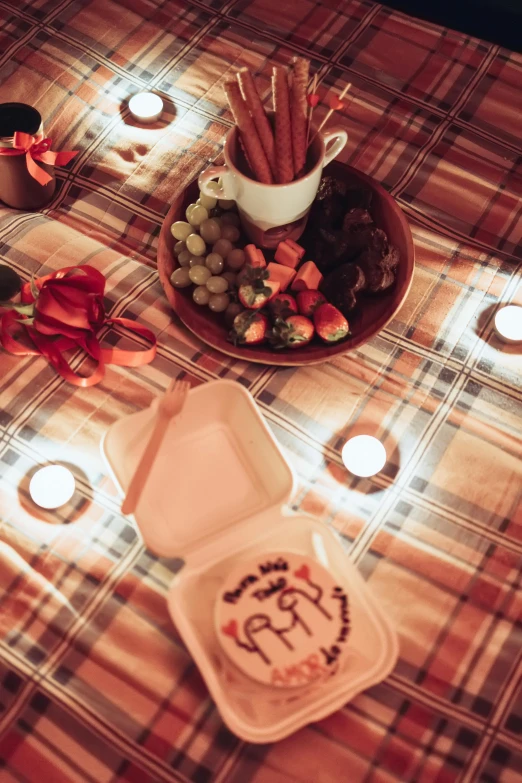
x,y
330,324
249,328
309,301
282,305
296,331
256,290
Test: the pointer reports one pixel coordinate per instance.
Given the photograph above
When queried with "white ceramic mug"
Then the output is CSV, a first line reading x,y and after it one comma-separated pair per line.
x,y
271,213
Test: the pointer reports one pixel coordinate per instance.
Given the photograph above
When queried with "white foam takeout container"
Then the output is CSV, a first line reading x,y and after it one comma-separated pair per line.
x,y
216,495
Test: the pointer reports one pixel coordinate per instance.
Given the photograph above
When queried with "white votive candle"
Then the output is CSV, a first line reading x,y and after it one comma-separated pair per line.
x,y
146,107
364,455
508,324
52,486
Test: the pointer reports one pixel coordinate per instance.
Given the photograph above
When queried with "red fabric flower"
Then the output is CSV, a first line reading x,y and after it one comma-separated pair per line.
x,y
70,306
65,310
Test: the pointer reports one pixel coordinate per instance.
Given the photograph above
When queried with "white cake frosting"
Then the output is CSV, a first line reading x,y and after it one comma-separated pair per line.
x,y
282,619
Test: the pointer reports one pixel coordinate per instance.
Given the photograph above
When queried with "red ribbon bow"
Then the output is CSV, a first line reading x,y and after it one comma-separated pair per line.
x,y
68,312
35,149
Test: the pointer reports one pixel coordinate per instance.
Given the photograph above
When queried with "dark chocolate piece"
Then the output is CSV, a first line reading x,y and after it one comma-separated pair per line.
x,y
378,263
330,188
357,219
341,231
378,278
341,285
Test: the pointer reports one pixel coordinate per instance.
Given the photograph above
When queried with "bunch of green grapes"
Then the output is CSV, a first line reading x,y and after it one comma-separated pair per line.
x,y
206,253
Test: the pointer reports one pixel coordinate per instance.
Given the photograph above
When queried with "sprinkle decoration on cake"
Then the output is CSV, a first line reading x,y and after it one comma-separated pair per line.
x,y
283,619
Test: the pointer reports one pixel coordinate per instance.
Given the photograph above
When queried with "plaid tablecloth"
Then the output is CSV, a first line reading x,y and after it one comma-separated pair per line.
x,y
95,682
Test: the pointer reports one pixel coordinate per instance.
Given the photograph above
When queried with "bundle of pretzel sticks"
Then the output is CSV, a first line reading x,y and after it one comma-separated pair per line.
x,y
275,155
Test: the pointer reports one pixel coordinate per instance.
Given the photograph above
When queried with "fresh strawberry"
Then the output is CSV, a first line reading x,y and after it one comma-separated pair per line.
x,y
257,290
296,331
243,276
330,324
309,301
249,328
282,305
250,274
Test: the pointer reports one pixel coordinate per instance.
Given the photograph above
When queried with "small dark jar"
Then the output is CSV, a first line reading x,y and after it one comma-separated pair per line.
x,y
18,189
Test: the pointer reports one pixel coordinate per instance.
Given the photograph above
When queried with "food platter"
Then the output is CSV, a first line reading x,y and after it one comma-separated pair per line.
x,y
370,317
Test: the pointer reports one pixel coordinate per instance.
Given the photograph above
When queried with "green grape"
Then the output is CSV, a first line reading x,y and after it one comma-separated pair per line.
x,y
195,245
179,247
218,303
217,285
235,259
199,274
215,263
209,202
230,219
214,186
201,295
233,309
197,215
230,232
180,277
189,209
181,230
222,246
210,230
184,258
231,277
196,261
226,203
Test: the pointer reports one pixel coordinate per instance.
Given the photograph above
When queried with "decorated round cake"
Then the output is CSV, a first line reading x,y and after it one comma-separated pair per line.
x,y
282,619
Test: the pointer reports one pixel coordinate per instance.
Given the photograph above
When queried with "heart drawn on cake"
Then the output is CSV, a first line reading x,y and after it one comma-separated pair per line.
x,y
303,572
335,103
230,629
312,99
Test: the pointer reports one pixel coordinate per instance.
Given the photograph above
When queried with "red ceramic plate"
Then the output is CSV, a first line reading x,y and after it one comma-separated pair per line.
x,y
371,316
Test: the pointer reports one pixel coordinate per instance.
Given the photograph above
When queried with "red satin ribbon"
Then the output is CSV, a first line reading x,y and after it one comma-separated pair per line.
x,y
37,149
74,281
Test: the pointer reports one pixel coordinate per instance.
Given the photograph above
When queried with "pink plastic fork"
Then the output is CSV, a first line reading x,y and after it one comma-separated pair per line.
x,y
169,406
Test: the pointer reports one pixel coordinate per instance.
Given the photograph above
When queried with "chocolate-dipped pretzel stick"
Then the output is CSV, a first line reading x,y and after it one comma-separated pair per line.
x,y
283,127
255,107
298,112
248,134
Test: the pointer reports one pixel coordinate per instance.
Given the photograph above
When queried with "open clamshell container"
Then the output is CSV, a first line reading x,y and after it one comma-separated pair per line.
x,y
216,495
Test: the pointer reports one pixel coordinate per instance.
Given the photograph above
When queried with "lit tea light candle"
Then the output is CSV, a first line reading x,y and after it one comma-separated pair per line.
x,y
146,107
52,487
364,455
508,324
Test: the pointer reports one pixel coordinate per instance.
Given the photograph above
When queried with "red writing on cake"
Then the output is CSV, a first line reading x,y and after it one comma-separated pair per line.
x,y
332,653
273,587
233,596
304,671
341,596
273,565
